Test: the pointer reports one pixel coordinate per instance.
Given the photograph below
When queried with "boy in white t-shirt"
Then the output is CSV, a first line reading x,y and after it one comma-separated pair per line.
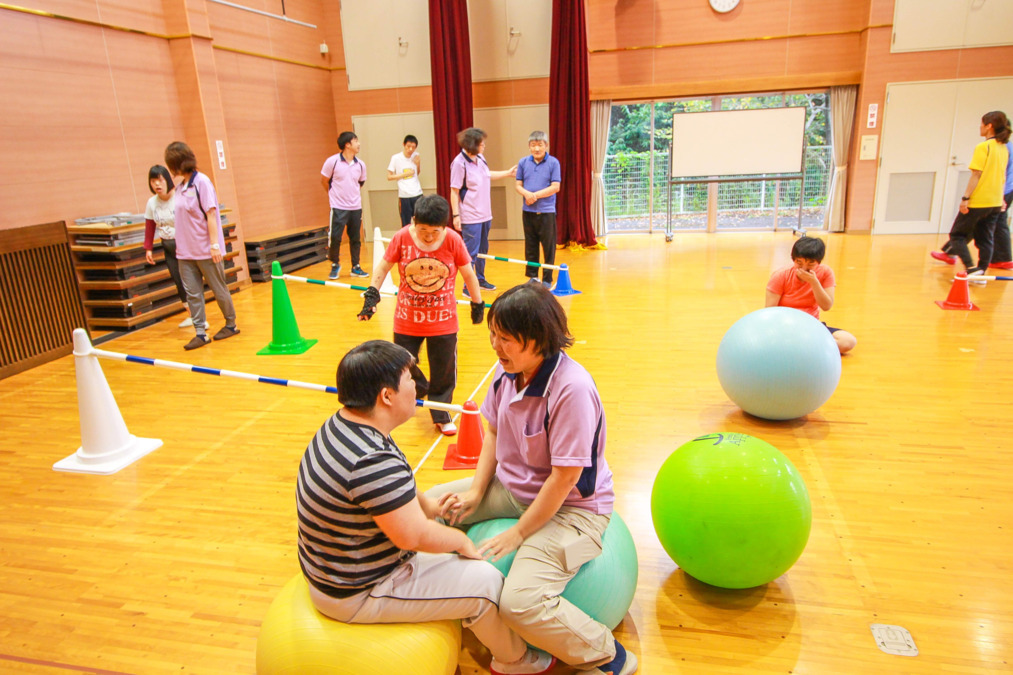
x,y
404,167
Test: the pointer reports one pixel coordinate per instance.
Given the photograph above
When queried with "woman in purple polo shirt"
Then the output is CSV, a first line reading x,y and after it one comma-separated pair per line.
x,y
543,462
471,197
199,243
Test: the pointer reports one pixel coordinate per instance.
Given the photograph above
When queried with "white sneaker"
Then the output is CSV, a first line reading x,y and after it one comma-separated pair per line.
x,y
976,273
533,662
447,428
186,323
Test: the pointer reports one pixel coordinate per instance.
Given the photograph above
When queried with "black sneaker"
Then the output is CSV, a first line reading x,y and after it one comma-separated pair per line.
x,y
335,268
359,272
486,286
197,342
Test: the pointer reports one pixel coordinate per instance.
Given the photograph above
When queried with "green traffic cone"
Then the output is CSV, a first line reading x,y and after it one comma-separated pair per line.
x,y
285,338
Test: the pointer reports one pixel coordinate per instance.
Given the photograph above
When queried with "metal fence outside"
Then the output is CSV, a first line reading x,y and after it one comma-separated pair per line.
x,y
741,205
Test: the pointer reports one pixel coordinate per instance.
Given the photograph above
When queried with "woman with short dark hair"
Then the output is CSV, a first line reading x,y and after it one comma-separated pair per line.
x,y
199,244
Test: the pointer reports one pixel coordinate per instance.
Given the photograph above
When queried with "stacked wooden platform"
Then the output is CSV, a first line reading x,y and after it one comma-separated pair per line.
x,y
120,290
294,249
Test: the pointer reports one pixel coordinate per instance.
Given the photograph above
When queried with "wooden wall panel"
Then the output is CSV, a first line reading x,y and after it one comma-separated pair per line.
x,y
238,29
76,100
681,22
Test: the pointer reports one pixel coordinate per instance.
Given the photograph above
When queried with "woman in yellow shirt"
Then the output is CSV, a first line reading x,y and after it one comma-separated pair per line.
x,y
982,197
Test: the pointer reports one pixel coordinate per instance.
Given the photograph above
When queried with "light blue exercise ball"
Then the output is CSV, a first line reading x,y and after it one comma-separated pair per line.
x,y
778,363
604,587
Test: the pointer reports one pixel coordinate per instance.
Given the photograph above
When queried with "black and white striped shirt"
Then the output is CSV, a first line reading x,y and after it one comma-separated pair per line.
x,y
349,473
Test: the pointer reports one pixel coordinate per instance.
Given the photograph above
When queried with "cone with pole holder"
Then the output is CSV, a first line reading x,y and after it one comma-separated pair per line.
x,y
464,454
563,285
106,444
959,297
378,247
285,337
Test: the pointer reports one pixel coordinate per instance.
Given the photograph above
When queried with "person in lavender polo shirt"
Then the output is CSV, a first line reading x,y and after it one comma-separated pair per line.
x,y
199,243
471,197
542,461
343,176
538,179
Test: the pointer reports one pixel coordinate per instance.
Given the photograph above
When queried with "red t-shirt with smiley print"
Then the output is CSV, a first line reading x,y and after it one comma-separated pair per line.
x,y
425,299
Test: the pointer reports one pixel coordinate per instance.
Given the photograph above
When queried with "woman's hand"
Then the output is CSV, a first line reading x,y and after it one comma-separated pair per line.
x,y
502,544
455,507
149,257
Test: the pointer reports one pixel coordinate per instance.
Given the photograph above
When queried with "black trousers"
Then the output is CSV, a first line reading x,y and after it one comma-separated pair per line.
x,y
441,350
406,206
340,221
1001,251
539,230
172,262
969,224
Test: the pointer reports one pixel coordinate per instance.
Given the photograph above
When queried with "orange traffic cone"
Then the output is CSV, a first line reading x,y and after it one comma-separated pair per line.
x,y
464,454
958,298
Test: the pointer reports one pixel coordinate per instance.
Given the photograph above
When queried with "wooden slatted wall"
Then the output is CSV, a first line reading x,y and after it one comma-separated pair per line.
x,y
39,299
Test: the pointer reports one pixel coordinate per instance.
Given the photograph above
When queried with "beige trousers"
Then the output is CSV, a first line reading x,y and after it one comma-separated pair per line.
x,y
546,561
432,587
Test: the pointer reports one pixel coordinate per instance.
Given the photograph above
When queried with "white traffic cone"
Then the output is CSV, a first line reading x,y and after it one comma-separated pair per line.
x,y
106,445
378,248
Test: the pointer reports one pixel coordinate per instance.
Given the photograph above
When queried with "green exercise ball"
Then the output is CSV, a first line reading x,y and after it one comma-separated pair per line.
x,y
604,587
731,510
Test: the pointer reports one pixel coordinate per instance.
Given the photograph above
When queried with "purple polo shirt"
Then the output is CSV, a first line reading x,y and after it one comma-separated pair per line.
x,y
556,420
346,184
192,238
471,177
535,176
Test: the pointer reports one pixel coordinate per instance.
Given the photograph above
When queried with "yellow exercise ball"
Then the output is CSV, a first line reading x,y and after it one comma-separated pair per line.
x,y
297,639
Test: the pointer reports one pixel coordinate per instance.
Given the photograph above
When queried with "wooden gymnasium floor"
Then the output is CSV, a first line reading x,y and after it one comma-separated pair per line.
x,y
170,565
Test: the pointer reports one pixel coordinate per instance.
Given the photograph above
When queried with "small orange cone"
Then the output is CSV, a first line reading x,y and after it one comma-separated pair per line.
x,y
464,454
959,298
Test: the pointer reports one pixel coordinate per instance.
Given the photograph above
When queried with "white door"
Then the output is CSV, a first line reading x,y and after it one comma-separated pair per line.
x,y
917,132
929,133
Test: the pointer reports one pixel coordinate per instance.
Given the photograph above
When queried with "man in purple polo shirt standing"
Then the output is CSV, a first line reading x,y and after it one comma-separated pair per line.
x,y
342,176
543,462
538,179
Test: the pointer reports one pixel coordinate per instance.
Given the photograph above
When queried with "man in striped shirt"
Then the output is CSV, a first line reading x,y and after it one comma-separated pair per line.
x,y
368,542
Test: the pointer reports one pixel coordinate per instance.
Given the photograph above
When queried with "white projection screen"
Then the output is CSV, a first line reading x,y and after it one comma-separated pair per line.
x,y
737,142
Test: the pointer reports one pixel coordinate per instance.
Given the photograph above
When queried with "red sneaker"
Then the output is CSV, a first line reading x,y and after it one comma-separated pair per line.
x,y
1002,265
939,255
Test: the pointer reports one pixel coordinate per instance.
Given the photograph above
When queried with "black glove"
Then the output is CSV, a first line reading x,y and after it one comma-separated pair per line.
x,y
477,312
372,299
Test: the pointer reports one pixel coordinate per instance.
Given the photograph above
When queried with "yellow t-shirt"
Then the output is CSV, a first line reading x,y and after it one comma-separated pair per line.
x,y
990,159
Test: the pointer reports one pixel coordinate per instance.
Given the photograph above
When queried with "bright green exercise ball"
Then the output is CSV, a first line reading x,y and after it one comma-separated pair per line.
x,y
731,510
604,587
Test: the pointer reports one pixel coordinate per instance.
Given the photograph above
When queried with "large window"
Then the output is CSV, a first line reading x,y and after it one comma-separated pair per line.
x,y
636,171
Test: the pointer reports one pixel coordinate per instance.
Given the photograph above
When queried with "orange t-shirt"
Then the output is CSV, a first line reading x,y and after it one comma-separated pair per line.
x,y
796,293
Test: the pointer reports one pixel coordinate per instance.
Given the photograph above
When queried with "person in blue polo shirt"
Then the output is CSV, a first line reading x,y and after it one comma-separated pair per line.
x,y
538,182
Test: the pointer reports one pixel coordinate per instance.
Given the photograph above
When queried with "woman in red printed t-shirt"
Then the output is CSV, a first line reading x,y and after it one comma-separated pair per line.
x,y
428,255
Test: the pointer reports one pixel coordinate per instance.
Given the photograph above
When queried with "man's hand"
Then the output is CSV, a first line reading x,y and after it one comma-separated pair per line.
x,y
477,312
805,276
371,300
454,507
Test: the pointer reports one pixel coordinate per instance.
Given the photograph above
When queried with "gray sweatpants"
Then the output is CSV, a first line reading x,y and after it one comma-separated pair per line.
x,y
194,274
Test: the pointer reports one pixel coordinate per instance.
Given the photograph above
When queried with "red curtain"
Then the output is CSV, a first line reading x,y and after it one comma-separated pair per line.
x,y
450,55
570,121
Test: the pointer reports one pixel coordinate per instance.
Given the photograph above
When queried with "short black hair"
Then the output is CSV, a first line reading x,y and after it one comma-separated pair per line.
x,y
432,210
410,139
809,248
470,139
530,313
159,171
367,369
180,158
344,138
